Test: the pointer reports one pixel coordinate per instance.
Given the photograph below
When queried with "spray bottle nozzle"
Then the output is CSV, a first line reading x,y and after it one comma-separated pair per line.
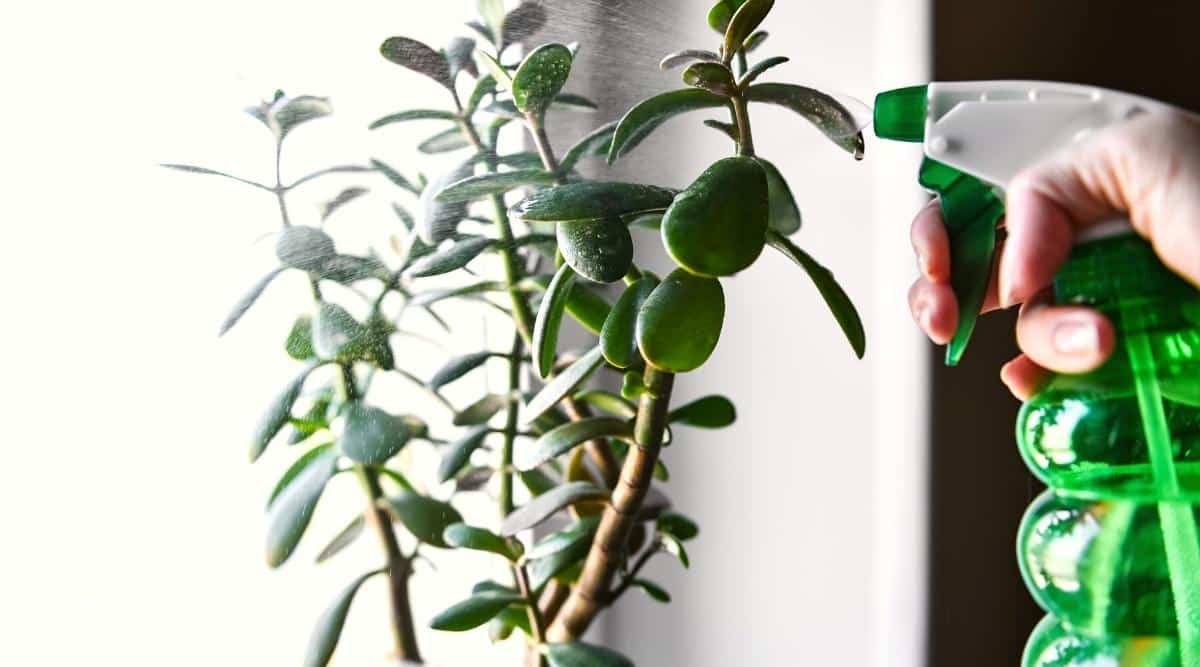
x,y
900,113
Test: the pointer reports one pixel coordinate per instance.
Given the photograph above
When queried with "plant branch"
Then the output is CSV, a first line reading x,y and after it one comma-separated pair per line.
x,y
280,191
590,594
741,113
542,141
629,578
505,466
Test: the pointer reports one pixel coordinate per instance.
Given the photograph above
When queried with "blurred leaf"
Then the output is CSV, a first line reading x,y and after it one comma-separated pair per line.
x,y
562,384
680,323
343,539
618,338
716,226
324,638
304,248
458,367
823,111
458,454
570,435
511,618
587,307
397,178
462,536
680,58
499,74
727,129
378,347
336,334
370,435
247,301
486,85
347,269
541,77
565,555
835,297
318,455
522,161
492,12
607,401
451,259
293,508
592,200
549,320
713,77
759,69
721,14
653,590
754,41
579,654
785,214
640,121
546,505
473,479
745,21
675,548
439,220
474,611
424,517
708,412
522,23
277,414
573,102
460,57
446,141
213,172
595,143
411,115
661,473
481,411
679,526
417,57
344,197
283,114
434,296
485,185
599,250
581,531
537,482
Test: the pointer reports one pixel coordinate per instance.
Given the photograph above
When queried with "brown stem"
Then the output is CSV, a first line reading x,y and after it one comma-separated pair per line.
x,y
553,596
398,566
590,594
597,449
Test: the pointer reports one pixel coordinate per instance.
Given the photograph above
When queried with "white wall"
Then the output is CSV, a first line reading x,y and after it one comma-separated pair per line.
x,y
132,521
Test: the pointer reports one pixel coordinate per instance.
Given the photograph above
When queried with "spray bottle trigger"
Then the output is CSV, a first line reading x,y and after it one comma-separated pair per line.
x,y
970,211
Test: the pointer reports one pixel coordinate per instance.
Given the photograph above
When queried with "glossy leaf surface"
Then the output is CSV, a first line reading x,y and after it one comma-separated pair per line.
x,y
458,367
707,412
417,57
452,258
462,536
681,58
481,411
835,297
478,187
678,525
745,20
424,517
473,612
785,215
640,121
676,549
721,14
592,200
314,456
759,69
562,384
540,78
580,531
570,435
292,510
618,338
680,323
606,401
599,250
717,226
325,635
652,589
549,320
713,77
345,537
595,143
580,654
546,505
411,115
458,453
822,110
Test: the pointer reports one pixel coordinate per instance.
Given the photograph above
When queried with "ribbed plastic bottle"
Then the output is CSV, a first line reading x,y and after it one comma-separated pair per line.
x,y
1111,549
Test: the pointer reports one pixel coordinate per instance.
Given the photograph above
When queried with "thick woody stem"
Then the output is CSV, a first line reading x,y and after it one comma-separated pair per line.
x,y
590,594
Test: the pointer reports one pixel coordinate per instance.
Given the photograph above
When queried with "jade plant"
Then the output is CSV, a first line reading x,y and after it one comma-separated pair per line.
x,y
566,460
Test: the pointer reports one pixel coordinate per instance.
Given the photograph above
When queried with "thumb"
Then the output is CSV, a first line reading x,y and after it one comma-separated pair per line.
x,y
1146,169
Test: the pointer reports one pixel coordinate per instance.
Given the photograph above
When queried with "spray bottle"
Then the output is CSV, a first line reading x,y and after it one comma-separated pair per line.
x,y
1111,549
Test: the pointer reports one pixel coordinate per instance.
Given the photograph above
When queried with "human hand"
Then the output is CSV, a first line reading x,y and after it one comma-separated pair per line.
x,y
1146,169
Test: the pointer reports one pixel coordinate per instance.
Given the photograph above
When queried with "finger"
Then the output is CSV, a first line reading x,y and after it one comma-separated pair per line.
x,y
1023,377
934,309
931,243
1065,339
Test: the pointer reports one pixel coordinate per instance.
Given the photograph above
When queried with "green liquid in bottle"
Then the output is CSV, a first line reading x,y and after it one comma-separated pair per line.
x,y
1111,550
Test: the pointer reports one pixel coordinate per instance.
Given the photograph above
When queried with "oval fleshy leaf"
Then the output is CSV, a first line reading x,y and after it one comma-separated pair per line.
x,y
439,220
592,200
304,248
458,453
424,517
759,69
310,458
562,384
299,343
458,367
417,57
345,537
462,536
618,338
717,226
721,13
546,505
713,77
825,112
247,301
595,143
481,411
568,436
681,58
277,414
325,635
474,611
336,334
745,20
292,510
549,320
640,121
411,115
540,78
835,297
599,250
680,324
785,215
708,412
606,401
451,259
678,525
580,531
580,654
485,185
370,435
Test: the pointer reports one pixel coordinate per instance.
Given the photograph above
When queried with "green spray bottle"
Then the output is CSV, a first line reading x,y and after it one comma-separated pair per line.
x,y
1111,550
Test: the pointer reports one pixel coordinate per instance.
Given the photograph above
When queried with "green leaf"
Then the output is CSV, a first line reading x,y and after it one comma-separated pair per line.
x,y
826,113
574,102
486,85
754,41
433,296
324,638
446,141
678,526
687,56
485,185
417,57
713,77
344,197
522,23
304,248
570,435
439,220
348,269
592,200
336,334
424,517
758,70
474,611
653,590
458,454
717,226
343,539
411,115
564,553
501,627
459,56
675,548
835,297
727,129
607,401
213,172
708,412
462,536
247,301
549,320
580,654
599,250
398,179
588,308
315,456
745,20
721,13
540,78
640,121
481,411
277,414
581,531
680,324
451,259
458,367
492,12
536,482
785,215
293,508
370,435
562,384
618,338
315,419
283,114
548,504
595,143
497,71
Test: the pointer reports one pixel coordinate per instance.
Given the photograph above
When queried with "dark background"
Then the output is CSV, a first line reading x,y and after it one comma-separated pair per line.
x,y
980,613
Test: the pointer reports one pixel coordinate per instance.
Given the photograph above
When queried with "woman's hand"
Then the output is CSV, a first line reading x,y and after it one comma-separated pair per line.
x,y
1146,169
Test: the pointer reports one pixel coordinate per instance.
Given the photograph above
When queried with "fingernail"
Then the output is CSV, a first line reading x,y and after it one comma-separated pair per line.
x,y
1076,339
